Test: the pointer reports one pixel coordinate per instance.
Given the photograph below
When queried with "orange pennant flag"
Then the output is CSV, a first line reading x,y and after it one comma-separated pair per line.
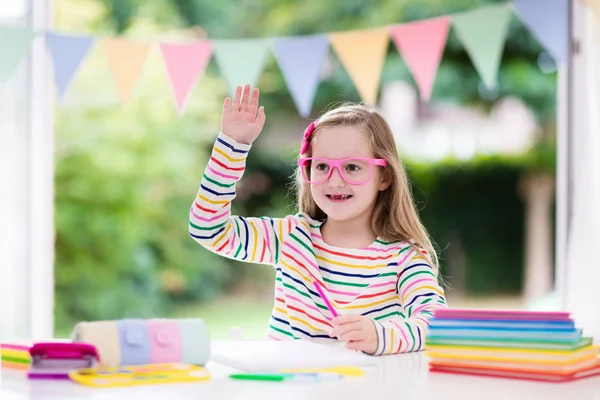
x,y
594,5
126,59
362,53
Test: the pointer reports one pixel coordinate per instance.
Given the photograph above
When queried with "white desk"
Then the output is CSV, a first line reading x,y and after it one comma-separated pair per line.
x,y
399,377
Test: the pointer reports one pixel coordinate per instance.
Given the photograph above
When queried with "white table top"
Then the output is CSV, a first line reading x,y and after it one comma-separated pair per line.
x,y
404,376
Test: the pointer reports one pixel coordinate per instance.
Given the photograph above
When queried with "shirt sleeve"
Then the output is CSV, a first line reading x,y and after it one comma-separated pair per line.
x,y
420,295
211,224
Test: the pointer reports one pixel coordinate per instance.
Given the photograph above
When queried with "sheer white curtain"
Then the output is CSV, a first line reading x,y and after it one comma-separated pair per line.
x,y
26,184
582,272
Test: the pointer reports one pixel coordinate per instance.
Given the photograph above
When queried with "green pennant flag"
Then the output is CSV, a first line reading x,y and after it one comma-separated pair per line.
x,y
14,46
241,61
483,34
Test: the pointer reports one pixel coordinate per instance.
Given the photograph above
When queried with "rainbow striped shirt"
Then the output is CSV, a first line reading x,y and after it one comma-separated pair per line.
x,y
390,282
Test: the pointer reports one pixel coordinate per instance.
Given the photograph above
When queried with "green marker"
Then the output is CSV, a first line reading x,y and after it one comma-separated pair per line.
x,y
305,377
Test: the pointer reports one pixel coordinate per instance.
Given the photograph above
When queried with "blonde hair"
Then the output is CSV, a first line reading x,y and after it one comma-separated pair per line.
x,y
395,216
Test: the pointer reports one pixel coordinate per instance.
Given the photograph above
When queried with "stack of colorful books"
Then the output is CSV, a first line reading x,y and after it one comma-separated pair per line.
x,y
15,356
533,345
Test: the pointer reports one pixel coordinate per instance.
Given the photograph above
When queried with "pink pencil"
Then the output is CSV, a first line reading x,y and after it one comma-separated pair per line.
x,y
325,299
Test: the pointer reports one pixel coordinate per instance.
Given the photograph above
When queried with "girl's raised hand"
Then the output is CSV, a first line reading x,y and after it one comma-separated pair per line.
x,y
242,119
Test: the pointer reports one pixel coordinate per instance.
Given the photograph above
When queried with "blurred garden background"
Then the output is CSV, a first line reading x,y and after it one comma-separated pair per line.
x,y
481,161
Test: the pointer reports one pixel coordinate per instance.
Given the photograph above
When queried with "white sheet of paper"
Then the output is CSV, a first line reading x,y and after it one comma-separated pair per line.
x,y
261,356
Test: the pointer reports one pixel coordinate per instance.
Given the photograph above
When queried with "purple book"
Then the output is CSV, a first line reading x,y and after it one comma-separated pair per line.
x,y
501,315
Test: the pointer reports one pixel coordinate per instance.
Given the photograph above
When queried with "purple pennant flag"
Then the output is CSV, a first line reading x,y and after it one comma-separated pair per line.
x,y
67,53
548,21
300,60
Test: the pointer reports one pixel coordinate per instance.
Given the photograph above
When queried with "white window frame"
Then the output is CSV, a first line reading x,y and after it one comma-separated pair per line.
x,y
41,179
564,168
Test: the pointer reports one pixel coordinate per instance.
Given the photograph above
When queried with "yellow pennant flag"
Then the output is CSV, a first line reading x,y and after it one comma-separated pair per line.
x,y
362,53
126,59
594,5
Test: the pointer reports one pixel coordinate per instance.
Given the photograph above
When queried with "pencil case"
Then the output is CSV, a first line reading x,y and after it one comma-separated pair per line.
x,y
146,341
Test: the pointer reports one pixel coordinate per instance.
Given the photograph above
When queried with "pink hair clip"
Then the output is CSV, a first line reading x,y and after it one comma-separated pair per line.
x,y
309,130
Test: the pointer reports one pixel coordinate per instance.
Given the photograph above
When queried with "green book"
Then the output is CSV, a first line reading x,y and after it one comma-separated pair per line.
x,y
15,360
508,343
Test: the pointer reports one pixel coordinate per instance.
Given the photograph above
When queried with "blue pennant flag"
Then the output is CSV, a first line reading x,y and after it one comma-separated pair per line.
x,y
300,60
68,52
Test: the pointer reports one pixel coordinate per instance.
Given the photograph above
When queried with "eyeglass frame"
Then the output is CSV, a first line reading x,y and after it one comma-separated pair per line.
x,y
337,164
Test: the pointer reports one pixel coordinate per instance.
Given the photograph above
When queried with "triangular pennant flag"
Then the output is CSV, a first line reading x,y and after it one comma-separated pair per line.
x,y
483,34
14,46
362,53
126,59
67,54
594,5
241,61
185,63
300,60
548,20
421,45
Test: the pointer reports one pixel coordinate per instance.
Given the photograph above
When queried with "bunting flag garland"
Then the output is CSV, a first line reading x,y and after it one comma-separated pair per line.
x,y
67,53
362,53
483,33
550,27
241,61
300,60
421,44
14,43
185,63
126,59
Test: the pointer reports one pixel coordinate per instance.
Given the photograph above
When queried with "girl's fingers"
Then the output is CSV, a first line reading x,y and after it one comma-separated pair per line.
x,y
260,118
236,99
245,98
345,319
253,106
341,330
356,345
226,105
357,335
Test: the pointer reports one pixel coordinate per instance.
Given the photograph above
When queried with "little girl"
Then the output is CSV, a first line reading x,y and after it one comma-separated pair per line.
x,y
356,235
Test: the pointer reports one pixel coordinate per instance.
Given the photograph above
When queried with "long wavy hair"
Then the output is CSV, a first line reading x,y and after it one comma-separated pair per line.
x,y
395,216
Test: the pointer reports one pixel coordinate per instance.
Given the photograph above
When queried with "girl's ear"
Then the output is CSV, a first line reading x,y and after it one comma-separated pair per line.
x,y
386,180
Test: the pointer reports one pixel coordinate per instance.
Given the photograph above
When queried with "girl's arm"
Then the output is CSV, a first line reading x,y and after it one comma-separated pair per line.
x,y
211,224
420,294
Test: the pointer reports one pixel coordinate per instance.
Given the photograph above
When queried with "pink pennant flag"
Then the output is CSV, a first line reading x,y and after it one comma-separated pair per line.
x,y
421,45
185,63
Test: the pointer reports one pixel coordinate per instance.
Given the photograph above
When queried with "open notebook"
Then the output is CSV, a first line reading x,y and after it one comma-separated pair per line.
x,y
261,356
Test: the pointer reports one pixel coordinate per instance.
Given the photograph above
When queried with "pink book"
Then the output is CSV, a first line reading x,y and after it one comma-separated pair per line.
x,y
16,346
483,314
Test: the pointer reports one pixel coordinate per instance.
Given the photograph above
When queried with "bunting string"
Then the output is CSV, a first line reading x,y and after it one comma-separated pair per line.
x,y
362,53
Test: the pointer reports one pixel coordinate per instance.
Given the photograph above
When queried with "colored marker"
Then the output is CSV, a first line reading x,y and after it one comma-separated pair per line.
x,y
325,299
302,377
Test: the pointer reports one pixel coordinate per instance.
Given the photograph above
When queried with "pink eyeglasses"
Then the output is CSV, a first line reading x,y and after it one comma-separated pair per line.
x,y
354,170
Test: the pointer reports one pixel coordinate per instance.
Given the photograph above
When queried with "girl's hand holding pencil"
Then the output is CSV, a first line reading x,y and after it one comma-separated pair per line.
x,y
357,331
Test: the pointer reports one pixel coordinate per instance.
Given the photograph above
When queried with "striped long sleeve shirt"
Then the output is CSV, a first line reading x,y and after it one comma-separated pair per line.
x,y
389,282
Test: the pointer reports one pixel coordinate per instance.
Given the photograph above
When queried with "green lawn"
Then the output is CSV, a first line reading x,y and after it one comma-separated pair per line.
x,y
252,316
